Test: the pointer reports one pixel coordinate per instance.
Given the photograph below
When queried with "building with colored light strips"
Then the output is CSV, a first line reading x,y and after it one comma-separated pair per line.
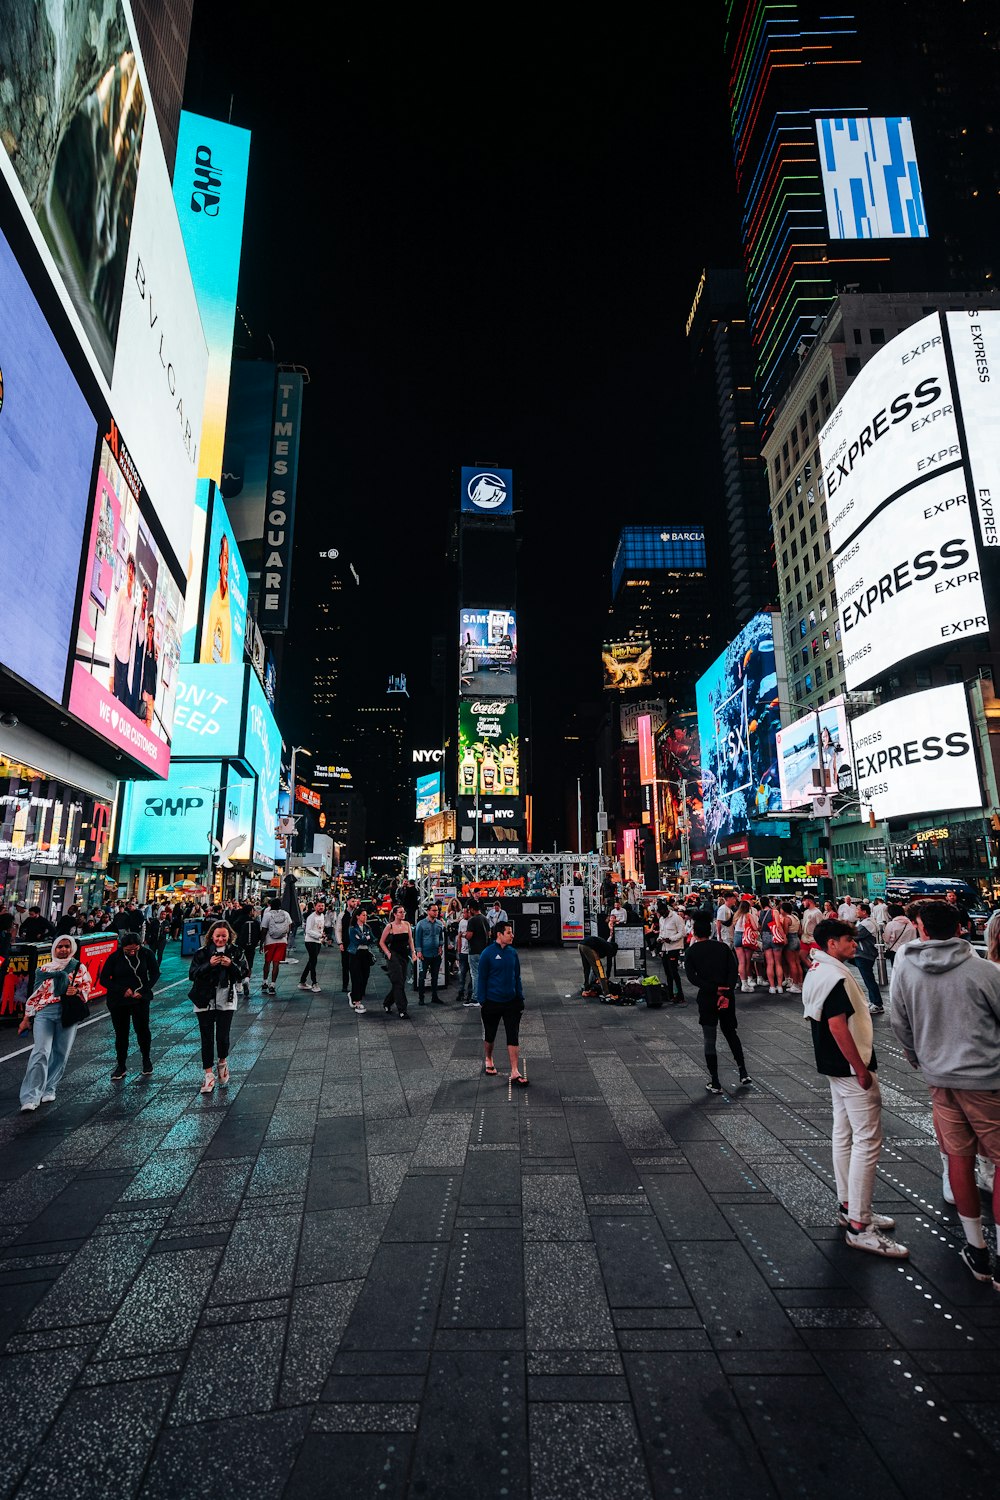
x,y
829,115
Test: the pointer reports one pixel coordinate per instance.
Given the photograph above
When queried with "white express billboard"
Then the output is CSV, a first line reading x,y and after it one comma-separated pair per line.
x,y
916,755
896,456
814,756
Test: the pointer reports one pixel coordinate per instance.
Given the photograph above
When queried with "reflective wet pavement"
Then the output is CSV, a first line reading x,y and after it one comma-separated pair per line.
x,y
363,1269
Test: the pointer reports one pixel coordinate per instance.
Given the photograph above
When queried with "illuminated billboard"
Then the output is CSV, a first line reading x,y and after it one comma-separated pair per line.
x,y
871,180
210,183
81,153
647,757
237,815
627,664
224,620
738,719
175,817
428,795
487,492
916,755
678,751
487,652
657,549
209,715
488,752
820,734
500,823
124,678
262,750
893,455
48,437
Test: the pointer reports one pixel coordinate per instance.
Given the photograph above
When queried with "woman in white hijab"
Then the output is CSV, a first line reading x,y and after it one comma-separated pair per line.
x,y
53,1010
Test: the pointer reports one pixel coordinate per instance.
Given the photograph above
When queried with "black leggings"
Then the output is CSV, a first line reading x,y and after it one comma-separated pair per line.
x,y
313,951
215,1026
727,1025
136,1014
361,967
397,978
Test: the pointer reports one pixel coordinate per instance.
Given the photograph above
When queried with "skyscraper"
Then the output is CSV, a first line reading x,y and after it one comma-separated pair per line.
x,y
661,596
864,161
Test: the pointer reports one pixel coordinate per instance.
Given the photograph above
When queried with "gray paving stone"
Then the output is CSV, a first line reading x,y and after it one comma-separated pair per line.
x,y
398,1307
566,1303
162,1307
320,1315
238,1457
232,1371
259,1260
583,1448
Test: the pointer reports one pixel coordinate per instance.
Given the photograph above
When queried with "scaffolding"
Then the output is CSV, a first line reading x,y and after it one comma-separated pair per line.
x,y
543,874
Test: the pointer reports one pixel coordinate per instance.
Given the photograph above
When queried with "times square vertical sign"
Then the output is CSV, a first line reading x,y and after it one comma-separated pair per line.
x,y
279,515
911,476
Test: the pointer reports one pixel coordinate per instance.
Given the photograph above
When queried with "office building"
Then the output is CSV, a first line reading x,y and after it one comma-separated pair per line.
x,y
661,618
863,158
733,484
163,28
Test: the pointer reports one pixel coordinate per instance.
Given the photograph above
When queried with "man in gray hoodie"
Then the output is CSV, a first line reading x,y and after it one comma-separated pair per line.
x,y
946,1013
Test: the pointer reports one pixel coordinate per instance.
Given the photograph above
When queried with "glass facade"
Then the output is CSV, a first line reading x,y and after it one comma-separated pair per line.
x,y
657,549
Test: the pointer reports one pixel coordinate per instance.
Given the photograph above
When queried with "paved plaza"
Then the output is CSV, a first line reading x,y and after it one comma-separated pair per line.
x,y
363,1270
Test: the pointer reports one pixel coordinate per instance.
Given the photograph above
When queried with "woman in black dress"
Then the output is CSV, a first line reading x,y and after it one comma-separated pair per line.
x,y
396,943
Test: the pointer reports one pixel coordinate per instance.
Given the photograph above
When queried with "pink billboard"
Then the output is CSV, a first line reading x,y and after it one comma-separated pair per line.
x,y
124,681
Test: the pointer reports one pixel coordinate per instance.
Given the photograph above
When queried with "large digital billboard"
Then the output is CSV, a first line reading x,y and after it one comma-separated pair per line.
x,y
487,492
910,579
262,750
499,821
224,620
738,719
974,340
627,664
81,152
247,454
657,549
48,438
916,755
237,814
488,751
428,795
209,717
175,817
678,752
894,458
210,183
871,180
823,735
124,677
487,652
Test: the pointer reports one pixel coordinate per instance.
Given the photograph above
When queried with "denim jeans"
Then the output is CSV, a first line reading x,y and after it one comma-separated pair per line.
x,y
429,965
866,968
52,1045
464,975
474,971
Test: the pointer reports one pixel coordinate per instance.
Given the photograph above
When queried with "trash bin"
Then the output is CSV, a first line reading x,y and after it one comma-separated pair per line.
x,y
191,931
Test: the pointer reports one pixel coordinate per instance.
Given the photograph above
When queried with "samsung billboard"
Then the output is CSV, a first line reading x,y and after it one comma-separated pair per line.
x,y
487,652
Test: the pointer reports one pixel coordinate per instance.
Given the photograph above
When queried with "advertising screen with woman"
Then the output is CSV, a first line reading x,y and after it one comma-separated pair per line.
x,y
814,756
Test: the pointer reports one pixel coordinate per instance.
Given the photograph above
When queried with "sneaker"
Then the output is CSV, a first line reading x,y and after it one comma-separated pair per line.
x,y
147,1070
714,1088
359,1009
745,1082
771,990
118,1075
436,1001
246,992
794,989
881,1222
48,1098
316,990
978,1261
876,1243
876,1010
470,1004
27,1109
305,987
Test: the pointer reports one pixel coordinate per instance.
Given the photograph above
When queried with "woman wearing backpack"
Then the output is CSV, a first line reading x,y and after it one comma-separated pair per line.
x,y
746,941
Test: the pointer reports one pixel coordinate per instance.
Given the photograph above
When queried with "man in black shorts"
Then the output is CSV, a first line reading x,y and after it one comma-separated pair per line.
x,y
501,998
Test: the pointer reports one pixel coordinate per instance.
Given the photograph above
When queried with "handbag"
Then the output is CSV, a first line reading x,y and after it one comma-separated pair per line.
x,y
751,937
74,1008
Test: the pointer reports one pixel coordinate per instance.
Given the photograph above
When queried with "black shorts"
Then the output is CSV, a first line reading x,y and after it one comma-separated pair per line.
x,y
509,1014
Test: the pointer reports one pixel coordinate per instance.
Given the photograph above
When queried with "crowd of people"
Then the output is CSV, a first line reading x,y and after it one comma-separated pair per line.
x,y
944,1001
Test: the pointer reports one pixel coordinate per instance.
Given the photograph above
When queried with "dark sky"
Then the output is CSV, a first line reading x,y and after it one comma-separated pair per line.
x,y
484,246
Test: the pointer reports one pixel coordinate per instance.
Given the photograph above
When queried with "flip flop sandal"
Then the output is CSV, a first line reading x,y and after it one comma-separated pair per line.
x,y
516,1078
490,1071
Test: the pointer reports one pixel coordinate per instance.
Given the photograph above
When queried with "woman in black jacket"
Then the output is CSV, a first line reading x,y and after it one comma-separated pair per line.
x,y
129,976
248,936
218,971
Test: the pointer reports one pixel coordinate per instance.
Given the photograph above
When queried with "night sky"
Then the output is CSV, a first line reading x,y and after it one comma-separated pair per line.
x,y
484,248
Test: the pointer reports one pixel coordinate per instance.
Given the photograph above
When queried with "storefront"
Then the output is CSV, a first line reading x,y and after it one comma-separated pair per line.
x,y
53,840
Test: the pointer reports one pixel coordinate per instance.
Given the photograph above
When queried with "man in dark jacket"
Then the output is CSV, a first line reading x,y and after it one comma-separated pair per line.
x,y
343,931
129,976
501,998
35,928
248,935
712,968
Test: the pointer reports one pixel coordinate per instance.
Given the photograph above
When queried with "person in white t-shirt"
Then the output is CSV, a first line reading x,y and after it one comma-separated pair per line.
x,y
880,912
847,911
724,919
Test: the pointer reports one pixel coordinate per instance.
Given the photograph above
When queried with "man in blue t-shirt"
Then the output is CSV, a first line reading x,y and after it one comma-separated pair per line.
x,y
501,998
428,939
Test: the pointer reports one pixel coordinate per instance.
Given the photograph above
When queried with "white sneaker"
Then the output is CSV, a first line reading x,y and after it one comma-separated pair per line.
x,y
48,1098
315,989
876,1243
304,986
881,1222
771,990
27,1109
359,1009
794,989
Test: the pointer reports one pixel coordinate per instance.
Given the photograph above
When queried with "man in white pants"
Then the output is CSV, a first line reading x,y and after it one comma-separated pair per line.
x,y
834,1000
